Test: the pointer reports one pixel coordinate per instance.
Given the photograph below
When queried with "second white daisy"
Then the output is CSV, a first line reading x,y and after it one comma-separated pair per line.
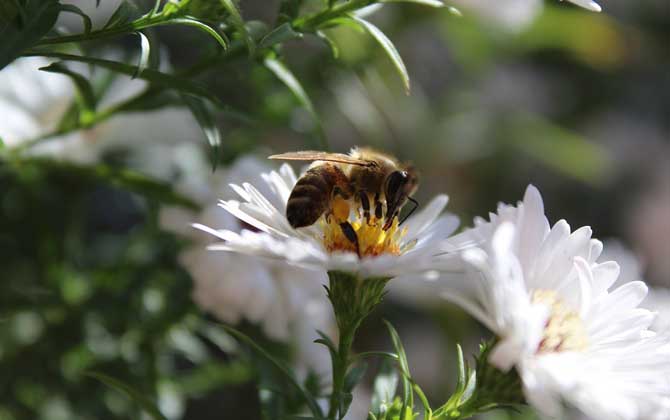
x,y
571,339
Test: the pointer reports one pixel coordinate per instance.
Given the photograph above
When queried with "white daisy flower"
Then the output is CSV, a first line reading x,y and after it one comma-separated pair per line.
x,y
569,335
287,302
658,300
392,252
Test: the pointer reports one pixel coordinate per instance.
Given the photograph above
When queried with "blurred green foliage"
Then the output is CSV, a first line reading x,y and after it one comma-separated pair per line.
x,y
91,284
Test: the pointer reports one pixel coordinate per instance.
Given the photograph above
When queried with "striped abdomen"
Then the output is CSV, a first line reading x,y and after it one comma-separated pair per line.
x,y
312,193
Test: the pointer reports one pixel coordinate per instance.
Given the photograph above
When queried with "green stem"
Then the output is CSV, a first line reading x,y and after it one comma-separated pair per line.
x,y
353,298
340,367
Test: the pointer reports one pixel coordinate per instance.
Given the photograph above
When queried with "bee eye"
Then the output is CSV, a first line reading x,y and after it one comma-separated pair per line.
x,y
395,182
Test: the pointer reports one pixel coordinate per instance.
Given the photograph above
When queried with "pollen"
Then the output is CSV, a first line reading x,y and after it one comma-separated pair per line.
x,y
564,330
372,239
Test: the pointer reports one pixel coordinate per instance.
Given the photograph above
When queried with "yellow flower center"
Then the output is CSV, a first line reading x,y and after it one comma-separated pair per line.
x,y
372,239
564,330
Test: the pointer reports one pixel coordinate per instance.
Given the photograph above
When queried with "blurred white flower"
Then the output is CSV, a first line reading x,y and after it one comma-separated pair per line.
x,y
571,338
288,302
33,102
658,298
395,252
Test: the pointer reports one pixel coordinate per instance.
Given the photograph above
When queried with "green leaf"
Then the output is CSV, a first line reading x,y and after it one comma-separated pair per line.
x,y
461,381
286,76
33,20
309,399
280,34
239,25
153,76
190,21
147,405
388,47
205,116
408,396
145,54
326,341
77,11
85,94
125,13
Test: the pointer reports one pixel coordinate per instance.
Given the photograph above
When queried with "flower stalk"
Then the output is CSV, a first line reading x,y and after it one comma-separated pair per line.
x,y
353,299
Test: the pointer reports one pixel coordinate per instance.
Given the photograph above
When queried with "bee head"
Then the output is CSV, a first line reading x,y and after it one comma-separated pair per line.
x,y
399,185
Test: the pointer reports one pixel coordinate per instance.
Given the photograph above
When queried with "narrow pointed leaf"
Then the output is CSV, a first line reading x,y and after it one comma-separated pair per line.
x,y
145,54
408,395
286,76
309,400
190,21
147,405
150,75
460,384
388,47
71,8
85,92
125,13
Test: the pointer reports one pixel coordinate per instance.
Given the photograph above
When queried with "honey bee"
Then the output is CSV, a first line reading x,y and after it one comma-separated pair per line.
x,y
377,183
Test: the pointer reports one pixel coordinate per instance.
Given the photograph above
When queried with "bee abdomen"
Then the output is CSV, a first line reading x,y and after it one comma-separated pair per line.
x,y
309,199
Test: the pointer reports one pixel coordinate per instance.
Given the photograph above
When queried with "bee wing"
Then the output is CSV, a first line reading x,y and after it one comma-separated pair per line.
x,y
311,155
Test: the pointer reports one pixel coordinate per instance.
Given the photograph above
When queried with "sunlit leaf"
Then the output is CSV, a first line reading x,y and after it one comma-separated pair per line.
x,y
145,53
239,25
147,405
388,47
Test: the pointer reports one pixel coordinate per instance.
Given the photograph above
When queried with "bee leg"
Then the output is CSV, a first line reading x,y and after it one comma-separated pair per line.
x,y
379,210
415,206
350,234
365,203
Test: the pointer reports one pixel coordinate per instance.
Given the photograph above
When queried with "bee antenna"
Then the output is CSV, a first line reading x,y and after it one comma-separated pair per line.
x,y
416,205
